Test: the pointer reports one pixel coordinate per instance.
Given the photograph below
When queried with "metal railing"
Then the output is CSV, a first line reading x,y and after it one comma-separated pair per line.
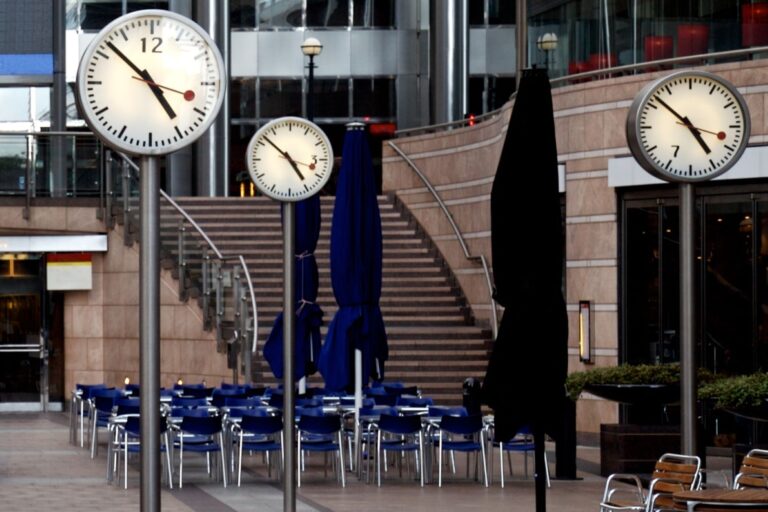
x,y
50,164
459,236
221,283
646,66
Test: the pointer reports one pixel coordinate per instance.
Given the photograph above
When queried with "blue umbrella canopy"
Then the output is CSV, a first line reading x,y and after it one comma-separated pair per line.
x,y
309,315
356,259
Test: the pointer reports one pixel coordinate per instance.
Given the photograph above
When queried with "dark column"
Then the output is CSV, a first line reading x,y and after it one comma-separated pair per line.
x,y
59,101
449,47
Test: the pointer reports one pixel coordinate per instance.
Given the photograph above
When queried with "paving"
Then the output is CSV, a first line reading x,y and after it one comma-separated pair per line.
x,y
41,470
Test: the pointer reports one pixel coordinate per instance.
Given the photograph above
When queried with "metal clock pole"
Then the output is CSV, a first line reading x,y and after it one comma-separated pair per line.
x,y
149,330
687,321
289,346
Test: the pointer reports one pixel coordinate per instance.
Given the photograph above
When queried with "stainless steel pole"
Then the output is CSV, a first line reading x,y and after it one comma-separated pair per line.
x,y
289,345
521,25
149,329
687,319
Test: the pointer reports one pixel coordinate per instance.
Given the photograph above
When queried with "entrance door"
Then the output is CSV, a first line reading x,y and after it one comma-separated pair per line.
x,y
23,334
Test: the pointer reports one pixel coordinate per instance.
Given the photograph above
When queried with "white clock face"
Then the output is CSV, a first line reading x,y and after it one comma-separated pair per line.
x,y
151,82
290,159
689,126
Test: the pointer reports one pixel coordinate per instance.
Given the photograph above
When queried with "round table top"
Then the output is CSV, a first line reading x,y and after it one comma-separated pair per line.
x,y
724,496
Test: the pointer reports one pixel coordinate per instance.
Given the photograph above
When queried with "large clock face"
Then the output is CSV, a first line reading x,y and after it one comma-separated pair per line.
x,y
689,126
151,82
290,159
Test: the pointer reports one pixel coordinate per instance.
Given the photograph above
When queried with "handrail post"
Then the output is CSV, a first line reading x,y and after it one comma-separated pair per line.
x,y
107,187
206,295
126,188
182,263
27,181
234,348
245,338
219,305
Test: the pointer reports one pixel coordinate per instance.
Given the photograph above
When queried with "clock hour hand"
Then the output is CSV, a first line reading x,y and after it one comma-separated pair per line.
x,y
687,123
286,156
146,77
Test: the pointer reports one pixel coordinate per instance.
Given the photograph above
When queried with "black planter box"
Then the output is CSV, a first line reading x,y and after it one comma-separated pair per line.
x,y
635,448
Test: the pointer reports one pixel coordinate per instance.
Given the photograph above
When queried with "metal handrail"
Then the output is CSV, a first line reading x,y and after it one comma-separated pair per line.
x,y
585,75
459,236
219,256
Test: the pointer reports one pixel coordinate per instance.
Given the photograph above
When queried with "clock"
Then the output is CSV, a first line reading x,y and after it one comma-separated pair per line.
x,y
290,159
688,126
150,83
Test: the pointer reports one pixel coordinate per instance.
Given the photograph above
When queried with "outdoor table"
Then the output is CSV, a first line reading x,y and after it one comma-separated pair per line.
x,y
717,500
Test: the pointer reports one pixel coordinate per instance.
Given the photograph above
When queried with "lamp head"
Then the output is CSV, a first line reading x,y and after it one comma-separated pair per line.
x,y
547,42
311,47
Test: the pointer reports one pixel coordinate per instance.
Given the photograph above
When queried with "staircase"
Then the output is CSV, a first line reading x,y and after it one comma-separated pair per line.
x,y
432,340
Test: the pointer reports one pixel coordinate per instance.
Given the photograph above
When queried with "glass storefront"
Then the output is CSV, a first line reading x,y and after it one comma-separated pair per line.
x,y
732,278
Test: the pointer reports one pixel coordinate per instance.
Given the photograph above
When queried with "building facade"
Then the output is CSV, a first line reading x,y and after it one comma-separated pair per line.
x,y
388,63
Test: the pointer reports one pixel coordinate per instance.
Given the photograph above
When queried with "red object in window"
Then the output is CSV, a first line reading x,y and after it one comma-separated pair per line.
x,y
658,47
602,60
383,129
471,119
754,24
579,66
692,39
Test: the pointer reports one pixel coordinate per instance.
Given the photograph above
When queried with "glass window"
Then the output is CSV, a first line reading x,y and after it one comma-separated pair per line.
x,y
97,15
331,97
374,13
327,13
279,13
501,12
476,12
476,96
500,88
242,98
242,14
15,102
374,97
279,97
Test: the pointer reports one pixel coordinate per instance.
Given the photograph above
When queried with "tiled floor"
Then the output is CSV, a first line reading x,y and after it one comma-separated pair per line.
x,y
40,470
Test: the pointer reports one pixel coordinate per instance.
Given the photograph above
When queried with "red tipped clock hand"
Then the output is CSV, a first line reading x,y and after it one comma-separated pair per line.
x,y
189,95
720,135
286,156
147,78
311,166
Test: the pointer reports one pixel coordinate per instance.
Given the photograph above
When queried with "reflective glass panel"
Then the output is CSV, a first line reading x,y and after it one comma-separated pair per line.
x,y
374,13
374,97
332,97
279,97
279,13
327,13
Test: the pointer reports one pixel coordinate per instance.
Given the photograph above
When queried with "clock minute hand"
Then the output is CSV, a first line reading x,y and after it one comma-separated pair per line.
x,y
687,123
147,78
286,156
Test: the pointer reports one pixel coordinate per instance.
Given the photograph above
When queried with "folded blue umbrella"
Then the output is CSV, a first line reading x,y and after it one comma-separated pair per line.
x,y
356,261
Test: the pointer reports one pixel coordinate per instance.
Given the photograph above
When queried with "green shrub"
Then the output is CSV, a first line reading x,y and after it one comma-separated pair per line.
x,y
737,392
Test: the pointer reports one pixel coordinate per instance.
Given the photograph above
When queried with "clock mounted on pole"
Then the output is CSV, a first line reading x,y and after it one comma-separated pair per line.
x,y
150,83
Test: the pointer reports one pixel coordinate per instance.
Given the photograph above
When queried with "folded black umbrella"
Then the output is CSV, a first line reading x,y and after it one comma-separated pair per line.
x,y
524,383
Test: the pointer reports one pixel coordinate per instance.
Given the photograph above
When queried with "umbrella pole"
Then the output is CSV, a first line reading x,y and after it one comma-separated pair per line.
x,y
358,399
540,472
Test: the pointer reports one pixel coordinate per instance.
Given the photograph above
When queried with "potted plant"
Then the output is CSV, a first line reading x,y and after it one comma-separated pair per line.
x,y
627,383
742,395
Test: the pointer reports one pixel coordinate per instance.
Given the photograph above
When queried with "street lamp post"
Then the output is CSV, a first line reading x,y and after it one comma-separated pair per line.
x,y
311,47
547,43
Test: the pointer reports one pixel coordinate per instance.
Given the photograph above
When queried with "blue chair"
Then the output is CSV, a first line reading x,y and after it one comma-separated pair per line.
x,y
208,433
197,392
521,443
401,390
258,433
325,433
242,402
129,441
438,411
79,410
102,407
399,434
461,434
188,402
414,401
